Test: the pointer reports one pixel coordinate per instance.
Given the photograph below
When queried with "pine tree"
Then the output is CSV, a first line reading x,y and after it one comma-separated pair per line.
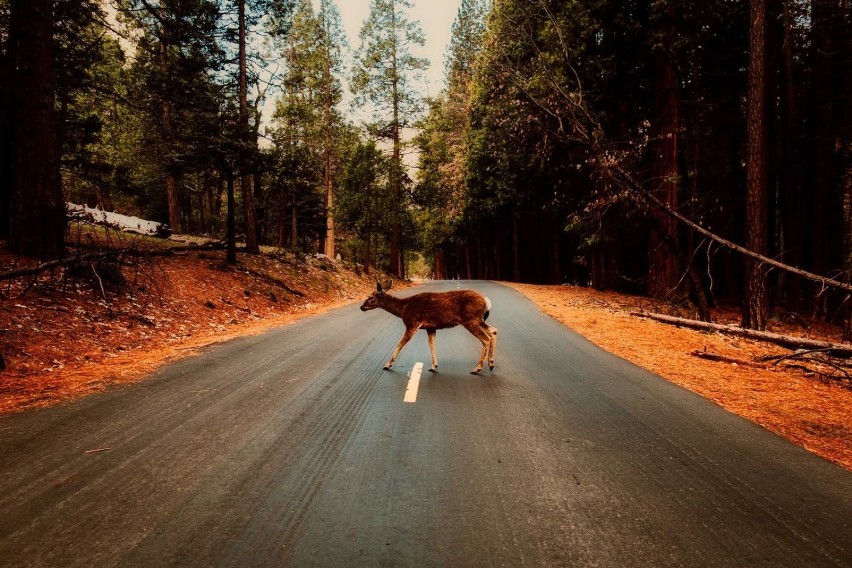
x,y
37,226
308,125
383,76
443,140
755,310
177,57
330,55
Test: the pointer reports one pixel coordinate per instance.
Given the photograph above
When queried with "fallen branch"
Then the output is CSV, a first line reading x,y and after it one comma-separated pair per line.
x,y
273,280
620,174
800,353
835,349
38,269
724,359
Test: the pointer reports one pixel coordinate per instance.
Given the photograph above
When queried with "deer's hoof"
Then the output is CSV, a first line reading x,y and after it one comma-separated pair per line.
x,y
433,370
491,367
475,371
386,367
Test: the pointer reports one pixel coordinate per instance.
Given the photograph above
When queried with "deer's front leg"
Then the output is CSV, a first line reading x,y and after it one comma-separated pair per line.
x,y
432,333
409,333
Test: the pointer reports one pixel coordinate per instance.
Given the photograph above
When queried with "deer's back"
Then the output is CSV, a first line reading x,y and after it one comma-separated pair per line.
x,y
440,310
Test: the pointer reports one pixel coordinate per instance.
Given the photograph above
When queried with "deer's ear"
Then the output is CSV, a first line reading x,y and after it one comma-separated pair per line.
x,y
378,287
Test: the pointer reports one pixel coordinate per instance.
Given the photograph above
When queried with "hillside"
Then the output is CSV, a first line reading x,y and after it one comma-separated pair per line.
x,y
76,330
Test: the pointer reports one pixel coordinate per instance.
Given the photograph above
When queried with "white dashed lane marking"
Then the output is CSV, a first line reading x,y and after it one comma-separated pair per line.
x,y
413,383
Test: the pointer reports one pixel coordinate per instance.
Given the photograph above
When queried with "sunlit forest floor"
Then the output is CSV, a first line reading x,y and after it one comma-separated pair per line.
x,y
807,409
68,336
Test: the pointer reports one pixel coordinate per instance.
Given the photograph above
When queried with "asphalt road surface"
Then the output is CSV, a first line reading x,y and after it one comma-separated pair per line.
x,y
295,448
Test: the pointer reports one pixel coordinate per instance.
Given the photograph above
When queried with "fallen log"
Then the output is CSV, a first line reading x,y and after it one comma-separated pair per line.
x,y
38,269
842,350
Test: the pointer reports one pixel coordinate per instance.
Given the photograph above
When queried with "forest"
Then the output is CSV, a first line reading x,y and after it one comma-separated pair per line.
x,y
696,153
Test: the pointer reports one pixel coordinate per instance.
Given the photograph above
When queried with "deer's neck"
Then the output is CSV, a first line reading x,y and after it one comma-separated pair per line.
x,y
393,305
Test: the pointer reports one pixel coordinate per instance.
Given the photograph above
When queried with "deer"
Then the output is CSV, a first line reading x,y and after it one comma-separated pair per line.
x,y
438,310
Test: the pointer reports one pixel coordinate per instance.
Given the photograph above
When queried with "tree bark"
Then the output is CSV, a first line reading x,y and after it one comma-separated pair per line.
x,y
516,250
8,66
172,189
791,199
231,256
38,217
294,223
395,268
662,273
328,173
245,151
755,301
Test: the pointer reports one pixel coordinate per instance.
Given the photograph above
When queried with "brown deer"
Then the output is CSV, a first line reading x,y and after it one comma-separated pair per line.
x,y
438,310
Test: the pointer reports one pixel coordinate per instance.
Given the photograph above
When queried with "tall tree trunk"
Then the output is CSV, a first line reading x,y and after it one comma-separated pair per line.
x,y
555,264
294,223
821,104
663,274
847,238
38,209
438,269
368,259
480,271
791,205
260,210
248,143
8,66
328,173
282,216
172,188
328,237
395,268
231,257
516,250
755,309
173,198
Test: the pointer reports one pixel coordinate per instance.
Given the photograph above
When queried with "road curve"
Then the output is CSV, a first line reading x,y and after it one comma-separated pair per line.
x,y
294,448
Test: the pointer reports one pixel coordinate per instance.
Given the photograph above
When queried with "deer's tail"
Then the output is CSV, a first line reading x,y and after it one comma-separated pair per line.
x,y
487,308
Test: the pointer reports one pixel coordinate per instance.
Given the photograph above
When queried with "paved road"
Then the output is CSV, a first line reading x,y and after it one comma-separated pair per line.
x,y
294,448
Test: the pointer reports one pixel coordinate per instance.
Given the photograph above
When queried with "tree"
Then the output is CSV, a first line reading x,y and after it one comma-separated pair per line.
x,y
443,140
177,58
247,144
662,267
364,199
756,307
332,41
37,225
382,76
308,131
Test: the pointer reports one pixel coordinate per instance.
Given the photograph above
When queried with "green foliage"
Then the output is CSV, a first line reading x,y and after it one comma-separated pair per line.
x,y
310,136
364,201
385,70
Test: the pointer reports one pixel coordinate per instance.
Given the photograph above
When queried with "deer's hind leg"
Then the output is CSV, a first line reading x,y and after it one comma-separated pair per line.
x,y
485,338
492,345
406,337
432,333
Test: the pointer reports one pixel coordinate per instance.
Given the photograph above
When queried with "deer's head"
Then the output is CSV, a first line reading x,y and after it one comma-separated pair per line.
x,y
376,299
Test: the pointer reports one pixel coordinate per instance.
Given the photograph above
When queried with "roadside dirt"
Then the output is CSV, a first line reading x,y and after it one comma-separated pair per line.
x,y
64,336
813,413
67,338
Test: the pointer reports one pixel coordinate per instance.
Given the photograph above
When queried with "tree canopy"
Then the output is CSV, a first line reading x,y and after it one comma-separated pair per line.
x,y
614,144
